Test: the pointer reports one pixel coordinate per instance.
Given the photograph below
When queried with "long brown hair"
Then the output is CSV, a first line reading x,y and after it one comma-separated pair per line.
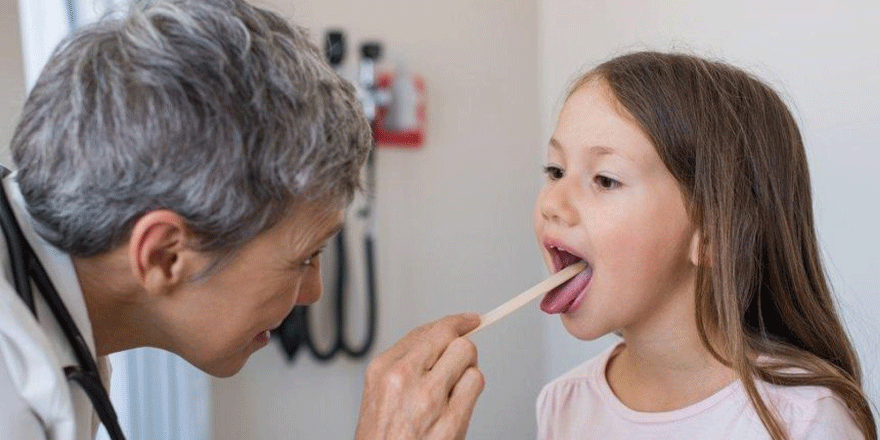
x,y
737,153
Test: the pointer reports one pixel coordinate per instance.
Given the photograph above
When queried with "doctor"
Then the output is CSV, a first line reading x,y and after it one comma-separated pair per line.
x,y
179,171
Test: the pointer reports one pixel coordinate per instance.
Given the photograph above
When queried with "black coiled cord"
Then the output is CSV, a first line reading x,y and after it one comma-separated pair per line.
x,y
296,331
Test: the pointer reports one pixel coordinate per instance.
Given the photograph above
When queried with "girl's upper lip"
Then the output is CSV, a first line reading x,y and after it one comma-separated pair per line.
x,y
551,242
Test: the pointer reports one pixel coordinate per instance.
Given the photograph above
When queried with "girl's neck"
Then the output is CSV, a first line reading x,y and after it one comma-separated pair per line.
x,y
665,371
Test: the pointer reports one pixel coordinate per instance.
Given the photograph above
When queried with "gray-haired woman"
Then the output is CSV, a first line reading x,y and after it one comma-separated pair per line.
x,y
179,170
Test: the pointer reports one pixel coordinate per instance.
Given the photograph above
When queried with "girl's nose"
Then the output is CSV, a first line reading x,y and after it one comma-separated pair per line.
x,y
557,205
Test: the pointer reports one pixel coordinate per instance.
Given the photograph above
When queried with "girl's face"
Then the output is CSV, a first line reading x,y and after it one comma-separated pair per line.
x,y
609,200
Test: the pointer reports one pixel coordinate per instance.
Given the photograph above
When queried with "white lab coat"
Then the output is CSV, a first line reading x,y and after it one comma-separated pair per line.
x,y
36,400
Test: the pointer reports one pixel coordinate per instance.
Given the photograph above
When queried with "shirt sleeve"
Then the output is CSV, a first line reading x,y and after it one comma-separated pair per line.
x,y
830,419
17,421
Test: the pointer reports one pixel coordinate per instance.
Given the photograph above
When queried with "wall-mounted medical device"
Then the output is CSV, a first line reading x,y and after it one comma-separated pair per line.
x,y
394,103
401,124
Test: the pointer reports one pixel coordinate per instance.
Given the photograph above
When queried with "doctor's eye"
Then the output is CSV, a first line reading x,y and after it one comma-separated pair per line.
x,y
606,182
553,172
313,259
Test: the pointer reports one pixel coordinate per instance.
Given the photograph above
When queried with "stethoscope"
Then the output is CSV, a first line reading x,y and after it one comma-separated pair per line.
x,y
26,267
296,332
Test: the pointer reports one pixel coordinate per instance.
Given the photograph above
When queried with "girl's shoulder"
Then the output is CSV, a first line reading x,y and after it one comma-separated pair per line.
x,y
803,402
810,412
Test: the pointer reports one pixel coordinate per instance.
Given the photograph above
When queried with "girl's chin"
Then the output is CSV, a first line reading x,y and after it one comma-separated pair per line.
x,y
585,332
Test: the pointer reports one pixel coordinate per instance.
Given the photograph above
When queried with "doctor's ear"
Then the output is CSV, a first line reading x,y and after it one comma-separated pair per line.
x,y
158,250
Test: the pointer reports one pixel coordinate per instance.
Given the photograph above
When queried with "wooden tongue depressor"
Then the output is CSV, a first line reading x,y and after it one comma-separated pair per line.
x,y
526,297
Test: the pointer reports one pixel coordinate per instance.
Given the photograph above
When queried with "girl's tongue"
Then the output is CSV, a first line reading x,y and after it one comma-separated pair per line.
x,y
568,296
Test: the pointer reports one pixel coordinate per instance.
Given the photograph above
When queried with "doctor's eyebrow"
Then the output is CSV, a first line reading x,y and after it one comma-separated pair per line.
x,y
322,242
332,232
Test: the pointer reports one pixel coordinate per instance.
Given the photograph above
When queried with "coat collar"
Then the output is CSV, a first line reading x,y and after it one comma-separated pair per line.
x,y
58,264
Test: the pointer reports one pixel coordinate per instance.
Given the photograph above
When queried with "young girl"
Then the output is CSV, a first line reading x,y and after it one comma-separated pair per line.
x,y
683,184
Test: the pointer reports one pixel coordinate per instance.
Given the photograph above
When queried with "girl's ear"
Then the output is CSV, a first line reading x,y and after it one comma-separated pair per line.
x,y
694,251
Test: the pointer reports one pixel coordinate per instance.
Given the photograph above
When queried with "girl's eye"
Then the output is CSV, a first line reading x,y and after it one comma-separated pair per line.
x,y
606,182
553,172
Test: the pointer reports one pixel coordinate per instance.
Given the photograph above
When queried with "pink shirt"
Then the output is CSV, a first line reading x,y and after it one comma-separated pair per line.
x,y
580,405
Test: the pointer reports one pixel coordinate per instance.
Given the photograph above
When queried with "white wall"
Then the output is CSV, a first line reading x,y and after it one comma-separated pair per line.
x,y
12,72
823,56
453,219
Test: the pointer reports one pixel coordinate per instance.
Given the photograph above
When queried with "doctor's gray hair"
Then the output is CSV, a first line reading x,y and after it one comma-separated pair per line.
x,y
217,110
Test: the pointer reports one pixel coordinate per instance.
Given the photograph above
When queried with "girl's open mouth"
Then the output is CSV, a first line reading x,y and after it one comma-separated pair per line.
x,y
567,297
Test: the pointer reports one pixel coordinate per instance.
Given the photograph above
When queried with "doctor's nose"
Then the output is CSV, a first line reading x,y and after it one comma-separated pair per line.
x,y
310,287
556,204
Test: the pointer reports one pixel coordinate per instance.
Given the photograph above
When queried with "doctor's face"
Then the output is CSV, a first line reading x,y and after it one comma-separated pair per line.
x,y
222,319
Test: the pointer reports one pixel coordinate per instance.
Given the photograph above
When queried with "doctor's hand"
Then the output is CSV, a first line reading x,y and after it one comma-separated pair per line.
x,y
425,386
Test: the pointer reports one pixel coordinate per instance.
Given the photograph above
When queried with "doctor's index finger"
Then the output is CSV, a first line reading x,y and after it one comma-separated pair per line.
x,y
436,336
424,344
462,323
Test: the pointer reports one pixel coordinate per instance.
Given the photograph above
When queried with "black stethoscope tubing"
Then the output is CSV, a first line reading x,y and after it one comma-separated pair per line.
x,y
26,266
296,330
341,344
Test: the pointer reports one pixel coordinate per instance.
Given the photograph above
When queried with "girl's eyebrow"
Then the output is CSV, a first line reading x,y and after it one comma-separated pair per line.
x,y
595,150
